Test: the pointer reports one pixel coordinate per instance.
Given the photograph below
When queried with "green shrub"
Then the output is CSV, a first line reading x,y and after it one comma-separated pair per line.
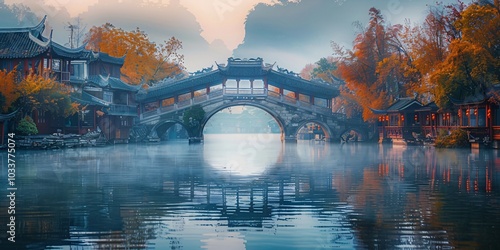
x,y
192,118
457,139
26,126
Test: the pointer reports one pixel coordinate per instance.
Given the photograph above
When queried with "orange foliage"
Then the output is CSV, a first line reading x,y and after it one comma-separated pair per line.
x,y
467,72
42,94
8,88
145,61
372,70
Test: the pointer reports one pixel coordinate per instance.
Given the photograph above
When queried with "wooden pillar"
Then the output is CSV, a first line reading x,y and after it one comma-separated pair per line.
x,y
94,127
25,68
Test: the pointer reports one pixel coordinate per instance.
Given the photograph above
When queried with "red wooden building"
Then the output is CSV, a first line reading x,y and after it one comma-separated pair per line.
x,y
408,121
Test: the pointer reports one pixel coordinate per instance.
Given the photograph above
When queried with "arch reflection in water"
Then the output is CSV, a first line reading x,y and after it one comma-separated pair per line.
x,y
242,154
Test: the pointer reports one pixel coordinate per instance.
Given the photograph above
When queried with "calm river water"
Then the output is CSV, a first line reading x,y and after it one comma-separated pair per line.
x,y
254,193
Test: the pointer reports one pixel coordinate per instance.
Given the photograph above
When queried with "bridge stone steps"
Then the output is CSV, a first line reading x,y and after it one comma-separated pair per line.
x,y
139,133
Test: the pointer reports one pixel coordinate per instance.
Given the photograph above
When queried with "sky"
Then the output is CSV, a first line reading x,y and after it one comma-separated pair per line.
x,y
290,33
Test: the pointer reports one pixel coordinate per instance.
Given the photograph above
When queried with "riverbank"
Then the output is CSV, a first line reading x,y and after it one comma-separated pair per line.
x,y
58,140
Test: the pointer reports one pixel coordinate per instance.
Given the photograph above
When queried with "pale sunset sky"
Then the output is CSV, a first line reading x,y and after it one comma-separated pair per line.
x,y
291,33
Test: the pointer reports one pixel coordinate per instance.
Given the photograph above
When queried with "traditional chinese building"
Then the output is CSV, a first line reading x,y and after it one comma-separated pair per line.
x,y
408,121
109,106
480,116
108,103
400,121
28,50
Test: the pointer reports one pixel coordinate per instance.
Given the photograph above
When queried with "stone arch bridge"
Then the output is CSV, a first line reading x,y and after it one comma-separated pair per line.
x,y
292,101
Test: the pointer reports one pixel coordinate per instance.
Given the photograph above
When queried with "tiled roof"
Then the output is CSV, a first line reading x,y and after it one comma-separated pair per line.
x,y
88,99
77,53
400,105
429,107
23,42
240,68
403,103
28,42
4,117
107,58
182,86
112,83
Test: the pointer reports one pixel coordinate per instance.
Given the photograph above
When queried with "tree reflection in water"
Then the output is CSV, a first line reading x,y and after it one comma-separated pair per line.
x,y
296,196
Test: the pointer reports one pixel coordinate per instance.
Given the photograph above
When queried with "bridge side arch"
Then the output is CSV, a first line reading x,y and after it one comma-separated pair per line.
x,y
326,129
357,133
273,114
162,126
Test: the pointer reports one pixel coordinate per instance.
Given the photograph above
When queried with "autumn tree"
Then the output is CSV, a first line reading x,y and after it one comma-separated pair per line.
x,y
8,89
372,71
426,46
45,95
326,70
473,63
145,61
306,72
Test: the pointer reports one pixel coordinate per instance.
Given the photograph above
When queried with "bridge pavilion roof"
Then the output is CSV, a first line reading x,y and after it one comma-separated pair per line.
x,y
239,69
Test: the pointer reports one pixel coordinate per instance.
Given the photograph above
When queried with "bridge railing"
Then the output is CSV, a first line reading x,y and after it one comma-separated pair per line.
x,y
245,92
168,108
184,103
123,109
273,94
216,93
200,98
149,113
289,99
305,104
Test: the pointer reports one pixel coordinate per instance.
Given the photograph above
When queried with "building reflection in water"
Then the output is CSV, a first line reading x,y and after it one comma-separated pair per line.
x,y
255,195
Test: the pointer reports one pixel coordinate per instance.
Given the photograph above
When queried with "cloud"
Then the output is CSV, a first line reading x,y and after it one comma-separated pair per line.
x,y
300,32
292,33
160,22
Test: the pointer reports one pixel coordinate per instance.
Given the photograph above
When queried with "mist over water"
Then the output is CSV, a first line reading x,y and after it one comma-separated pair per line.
x,y
253,192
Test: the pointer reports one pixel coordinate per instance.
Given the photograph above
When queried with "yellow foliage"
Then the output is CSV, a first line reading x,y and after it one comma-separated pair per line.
x,y
8,88
43,94
145,61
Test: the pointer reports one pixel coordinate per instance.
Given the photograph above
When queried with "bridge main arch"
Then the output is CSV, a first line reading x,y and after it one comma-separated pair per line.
x,y
210,113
